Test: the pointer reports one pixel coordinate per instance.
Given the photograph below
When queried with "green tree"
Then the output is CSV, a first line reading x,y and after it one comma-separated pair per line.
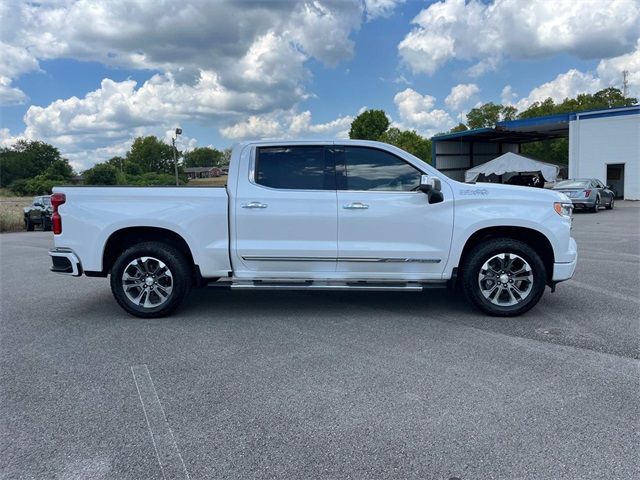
x,y
369,125
226,157
26,159
409,141
149,154
202,157
489,114
461,127
101,174
59,169
117,162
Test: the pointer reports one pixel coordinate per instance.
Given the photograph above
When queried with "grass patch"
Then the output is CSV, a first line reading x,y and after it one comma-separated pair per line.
x,y
11,214
209,182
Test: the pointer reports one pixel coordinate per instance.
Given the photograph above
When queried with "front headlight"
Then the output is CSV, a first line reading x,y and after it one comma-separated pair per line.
x,y
563,209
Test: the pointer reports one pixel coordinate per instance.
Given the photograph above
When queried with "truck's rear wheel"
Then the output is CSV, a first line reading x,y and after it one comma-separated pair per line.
x,y
151,279
503,277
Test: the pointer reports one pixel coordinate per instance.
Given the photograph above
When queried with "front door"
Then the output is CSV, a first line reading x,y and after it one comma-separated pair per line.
x,y
286,220
386,228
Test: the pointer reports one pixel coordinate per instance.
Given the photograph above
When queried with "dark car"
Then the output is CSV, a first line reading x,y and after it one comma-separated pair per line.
x,y
38,213
526,180
588,193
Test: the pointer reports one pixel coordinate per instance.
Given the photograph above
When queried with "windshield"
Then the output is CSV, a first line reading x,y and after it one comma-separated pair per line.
x,y
580,183
46,201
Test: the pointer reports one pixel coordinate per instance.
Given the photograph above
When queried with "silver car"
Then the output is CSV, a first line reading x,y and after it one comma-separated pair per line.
x,y
588,193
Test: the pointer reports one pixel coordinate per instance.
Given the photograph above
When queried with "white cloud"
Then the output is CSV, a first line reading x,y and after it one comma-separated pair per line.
x,y
417,113
14,61
473,30
565,85
461,95
214,69
287,125
119,111
610,71
380,8
508,96
574,82
10,95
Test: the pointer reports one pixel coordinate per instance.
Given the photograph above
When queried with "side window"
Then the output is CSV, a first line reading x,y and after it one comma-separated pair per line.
x,y
594,183
295,168
373,169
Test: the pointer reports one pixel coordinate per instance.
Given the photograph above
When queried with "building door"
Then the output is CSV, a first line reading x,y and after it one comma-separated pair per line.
x,y
615,178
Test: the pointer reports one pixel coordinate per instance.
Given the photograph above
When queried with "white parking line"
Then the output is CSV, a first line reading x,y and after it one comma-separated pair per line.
x,y
167,452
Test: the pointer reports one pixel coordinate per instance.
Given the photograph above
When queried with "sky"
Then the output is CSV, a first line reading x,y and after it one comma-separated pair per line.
x,y
88,76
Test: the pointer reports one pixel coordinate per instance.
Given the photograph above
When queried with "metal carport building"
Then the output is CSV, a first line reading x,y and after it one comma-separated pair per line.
x,y
603,144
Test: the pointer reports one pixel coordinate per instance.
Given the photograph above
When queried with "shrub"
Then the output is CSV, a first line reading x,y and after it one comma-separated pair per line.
x,y
101,174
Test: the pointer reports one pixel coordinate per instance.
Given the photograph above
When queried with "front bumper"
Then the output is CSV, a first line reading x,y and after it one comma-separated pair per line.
x,y
564,271
65,262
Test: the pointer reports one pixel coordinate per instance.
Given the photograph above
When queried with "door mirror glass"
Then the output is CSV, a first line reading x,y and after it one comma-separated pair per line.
x,y
429,183
432,187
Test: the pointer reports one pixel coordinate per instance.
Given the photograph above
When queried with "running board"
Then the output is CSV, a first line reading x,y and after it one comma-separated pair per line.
x,y
319,285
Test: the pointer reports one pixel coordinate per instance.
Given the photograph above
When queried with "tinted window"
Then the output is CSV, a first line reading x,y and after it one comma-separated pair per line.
x,y
295,168
572,184
372,169
46,200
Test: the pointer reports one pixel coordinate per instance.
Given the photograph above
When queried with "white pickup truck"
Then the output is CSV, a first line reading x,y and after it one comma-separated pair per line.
x,y
348,214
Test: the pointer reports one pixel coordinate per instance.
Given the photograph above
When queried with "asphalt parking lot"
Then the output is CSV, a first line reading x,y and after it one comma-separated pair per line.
x,y
323,385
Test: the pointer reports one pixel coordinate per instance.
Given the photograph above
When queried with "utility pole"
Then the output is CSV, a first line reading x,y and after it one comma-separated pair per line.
x,y
175,154
625,83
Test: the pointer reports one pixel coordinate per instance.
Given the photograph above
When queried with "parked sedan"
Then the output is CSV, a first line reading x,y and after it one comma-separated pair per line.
x,y
588,193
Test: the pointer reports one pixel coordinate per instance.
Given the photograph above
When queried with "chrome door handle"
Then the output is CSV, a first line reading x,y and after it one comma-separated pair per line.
x,y
355,206
254,205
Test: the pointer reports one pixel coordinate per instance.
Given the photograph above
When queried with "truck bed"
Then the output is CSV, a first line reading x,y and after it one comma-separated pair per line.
x,y
199,214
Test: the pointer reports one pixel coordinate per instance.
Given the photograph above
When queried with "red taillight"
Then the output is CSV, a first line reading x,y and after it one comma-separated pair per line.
x,y
57,199
587,193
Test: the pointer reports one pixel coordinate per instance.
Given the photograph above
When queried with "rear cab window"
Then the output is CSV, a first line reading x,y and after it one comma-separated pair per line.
x,y
295,168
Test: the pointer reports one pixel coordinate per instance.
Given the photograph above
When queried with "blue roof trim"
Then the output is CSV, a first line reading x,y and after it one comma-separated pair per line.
x,y
545,120
635,110
464,133
534,121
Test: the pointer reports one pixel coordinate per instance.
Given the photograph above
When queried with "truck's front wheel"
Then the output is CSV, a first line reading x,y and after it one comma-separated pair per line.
x,y
150,279
503,277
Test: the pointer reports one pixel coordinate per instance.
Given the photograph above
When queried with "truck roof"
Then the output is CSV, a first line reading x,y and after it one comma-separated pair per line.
x,y
310,141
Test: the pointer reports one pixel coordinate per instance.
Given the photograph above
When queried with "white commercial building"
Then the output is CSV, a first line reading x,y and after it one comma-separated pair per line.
x,y
603,144
606,145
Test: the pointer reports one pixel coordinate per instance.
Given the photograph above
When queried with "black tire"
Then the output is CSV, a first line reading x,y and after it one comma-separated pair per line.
x,y
485,251
611,204
29,224
180,270
596,206
46,225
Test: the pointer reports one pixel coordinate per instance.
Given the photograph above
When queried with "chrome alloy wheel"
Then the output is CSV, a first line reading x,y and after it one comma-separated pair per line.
x,y
505,279
147,282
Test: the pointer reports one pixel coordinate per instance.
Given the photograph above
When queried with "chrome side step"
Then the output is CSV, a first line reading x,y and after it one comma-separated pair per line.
x,y
319,285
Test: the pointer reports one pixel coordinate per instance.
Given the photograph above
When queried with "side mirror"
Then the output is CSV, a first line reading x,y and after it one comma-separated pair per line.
x,y
38,204
432,187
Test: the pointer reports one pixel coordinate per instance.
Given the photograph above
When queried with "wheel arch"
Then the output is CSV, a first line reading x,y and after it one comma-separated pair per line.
x,y
534,238
124,238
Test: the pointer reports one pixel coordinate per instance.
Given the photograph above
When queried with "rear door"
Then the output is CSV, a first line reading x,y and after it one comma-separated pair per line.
x,y
285,213
386,228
